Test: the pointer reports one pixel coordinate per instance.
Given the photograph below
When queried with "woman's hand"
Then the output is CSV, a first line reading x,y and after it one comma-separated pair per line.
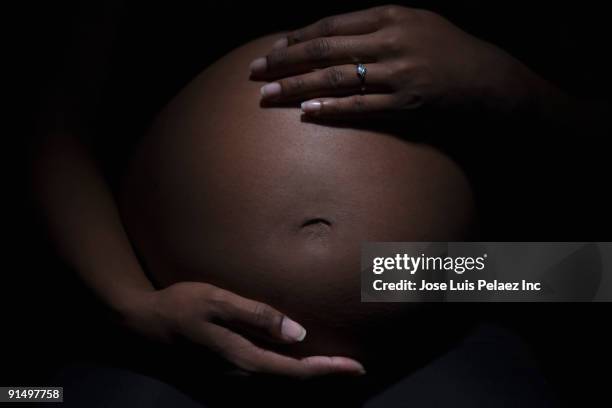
x,y
413,57
204,314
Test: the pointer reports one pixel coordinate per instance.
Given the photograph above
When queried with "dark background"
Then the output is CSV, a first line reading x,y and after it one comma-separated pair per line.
x,y
533,183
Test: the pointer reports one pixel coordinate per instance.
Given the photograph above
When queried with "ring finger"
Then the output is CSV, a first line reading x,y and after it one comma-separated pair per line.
x,y
316,53
332,81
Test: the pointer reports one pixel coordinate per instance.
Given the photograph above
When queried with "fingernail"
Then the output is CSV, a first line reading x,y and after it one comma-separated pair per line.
x,y
259,65
357,367
271,90
311,106
292,330
280,43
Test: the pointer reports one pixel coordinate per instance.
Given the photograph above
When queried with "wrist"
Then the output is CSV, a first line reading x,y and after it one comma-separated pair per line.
x,y
513,89
507,87
139,311
128,304
541,100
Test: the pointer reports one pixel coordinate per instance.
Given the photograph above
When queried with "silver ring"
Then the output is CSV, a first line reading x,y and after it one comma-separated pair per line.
x,y
361,73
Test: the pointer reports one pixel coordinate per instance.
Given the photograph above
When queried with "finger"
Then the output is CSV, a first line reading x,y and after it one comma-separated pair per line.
x,y
350,105
332,81
316,53
232,308
354,23
251,358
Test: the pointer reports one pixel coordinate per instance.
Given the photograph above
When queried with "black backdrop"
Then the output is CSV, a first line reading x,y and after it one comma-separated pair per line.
x,y
49,319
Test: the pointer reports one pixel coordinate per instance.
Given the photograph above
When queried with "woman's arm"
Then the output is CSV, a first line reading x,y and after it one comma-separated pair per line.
x,y
73,195
84,223
413,58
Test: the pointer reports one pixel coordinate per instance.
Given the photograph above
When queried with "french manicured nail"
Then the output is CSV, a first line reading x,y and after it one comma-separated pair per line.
x,y
280,43
292,330
271,90
354,365
359,370
311,106
259,65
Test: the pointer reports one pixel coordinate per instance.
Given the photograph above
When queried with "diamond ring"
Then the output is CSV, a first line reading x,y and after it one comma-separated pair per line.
x,y
361,73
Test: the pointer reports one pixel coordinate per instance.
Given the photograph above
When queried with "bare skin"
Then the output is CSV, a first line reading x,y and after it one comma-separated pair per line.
x,y
90,235
254,201
414,58
84,223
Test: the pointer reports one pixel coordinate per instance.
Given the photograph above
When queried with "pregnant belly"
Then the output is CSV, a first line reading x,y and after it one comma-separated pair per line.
x,y
258,202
